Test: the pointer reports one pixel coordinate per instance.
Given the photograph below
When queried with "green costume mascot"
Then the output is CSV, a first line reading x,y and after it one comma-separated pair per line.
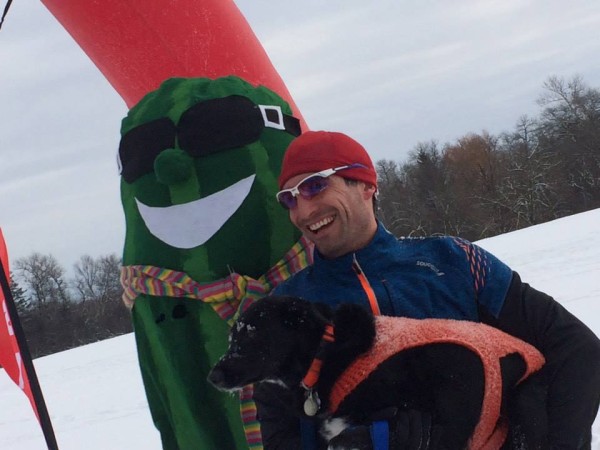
x,y
205,237
199,155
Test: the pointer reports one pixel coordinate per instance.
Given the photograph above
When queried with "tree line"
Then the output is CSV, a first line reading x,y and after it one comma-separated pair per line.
x,y
479,186
58,313
484,185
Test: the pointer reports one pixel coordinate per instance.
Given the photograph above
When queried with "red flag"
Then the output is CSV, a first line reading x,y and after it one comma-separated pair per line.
x,y
14,353
10,355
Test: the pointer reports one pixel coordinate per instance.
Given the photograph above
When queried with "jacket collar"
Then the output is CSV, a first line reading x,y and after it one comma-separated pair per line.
x,y
371,253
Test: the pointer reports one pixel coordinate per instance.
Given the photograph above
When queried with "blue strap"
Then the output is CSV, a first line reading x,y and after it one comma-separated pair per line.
x,y
308,435
380,435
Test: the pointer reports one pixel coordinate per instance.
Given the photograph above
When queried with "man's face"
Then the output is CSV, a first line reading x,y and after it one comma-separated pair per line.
x,y
339,220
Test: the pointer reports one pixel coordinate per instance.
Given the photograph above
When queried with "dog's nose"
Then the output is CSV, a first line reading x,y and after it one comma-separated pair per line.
x,y
216,376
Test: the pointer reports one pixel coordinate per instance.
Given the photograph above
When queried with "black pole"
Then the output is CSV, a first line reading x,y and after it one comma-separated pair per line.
x,y
36,391
5,12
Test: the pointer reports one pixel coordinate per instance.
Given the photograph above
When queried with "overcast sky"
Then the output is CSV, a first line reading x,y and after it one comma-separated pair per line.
x,y
389,73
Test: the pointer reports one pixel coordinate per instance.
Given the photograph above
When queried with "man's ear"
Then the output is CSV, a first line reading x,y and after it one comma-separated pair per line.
x,y
369,190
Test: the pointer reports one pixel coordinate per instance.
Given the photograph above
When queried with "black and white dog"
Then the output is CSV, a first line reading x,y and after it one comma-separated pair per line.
x,y
278,339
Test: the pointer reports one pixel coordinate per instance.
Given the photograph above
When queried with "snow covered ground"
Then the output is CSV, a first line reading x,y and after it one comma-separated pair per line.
x,y
95,395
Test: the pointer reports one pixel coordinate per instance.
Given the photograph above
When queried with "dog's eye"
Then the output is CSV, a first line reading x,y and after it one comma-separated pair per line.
x,y
246,341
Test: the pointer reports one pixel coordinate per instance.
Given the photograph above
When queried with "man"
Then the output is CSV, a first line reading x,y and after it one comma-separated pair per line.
x,y
328,184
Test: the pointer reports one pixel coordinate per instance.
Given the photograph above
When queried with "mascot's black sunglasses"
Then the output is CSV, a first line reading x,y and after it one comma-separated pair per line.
x,y
207,127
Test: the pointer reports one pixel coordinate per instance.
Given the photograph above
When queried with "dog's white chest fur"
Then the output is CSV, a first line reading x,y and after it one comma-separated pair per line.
x,y
332,427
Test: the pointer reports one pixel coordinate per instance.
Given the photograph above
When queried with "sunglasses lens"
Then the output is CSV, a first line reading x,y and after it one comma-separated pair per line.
x,y
287,200
312,186
308,189
219,124
140,146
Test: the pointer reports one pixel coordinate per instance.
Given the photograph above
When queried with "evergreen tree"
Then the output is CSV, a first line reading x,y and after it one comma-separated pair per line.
x,y
22,302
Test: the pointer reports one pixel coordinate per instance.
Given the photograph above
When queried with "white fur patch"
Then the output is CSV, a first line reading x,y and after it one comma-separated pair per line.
x,y
232,391
239,325
332,427
276,381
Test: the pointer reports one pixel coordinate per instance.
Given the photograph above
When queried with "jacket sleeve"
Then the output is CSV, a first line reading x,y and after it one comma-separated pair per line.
x,y
572,351
279,427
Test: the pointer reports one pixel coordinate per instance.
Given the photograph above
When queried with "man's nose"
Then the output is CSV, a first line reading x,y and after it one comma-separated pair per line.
x,y
304,207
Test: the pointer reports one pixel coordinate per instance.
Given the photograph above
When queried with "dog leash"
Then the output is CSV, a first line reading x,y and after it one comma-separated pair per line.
x,y
312,402
379,430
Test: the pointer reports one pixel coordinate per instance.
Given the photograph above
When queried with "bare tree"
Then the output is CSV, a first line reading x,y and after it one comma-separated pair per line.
x,y
570,129
473,165
97,278
391,195
53,321
569,108
43,278
85,278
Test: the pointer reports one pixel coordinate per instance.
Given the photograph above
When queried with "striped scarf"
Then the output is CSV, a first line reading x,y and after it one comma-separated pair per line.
x,y
229,297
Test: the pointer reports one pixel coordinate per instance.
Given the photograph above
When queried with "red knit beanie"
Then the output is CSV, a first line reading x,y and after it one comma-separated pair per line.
x,y
314,151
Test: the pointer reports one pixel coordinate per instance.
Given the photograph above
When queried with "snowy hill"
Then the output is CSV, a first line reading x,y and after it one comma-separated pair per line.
x,y
95,395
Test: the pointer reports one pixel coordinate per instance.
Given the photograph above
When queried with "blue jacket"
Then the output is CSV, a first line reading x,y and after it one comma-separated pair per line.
x,y
439,277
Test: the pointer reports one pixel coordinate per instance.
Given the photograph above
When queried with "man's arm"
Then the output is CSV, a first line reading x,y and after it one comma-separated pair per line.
x,y
572,352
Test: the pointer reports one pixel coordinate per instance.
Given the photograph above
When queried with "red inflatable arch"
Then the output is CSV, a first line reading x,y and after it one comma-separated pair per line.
x,y
137,44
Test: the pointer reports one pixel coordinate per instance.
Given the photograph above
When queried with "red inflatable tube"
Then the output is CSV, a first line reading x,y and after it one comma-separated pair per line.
x,y
137,44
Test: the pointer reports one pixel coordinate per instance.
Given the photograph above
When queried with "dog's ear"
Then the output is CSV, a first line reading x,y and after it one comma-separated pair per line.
x,y
324,311
355,326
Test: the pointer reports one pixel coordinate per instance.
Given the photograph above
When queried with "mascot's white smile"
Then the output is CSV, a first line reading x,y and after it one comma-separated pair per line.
x,y
192,224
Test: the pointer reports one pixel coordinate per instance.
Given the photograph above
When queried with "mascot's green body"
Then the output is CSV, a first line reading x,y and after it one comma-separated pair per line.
x,y
199,163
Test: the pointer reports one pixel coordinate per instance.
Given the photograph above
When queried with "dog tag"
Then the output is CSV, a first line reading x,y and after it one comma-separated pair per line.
x,y
312,403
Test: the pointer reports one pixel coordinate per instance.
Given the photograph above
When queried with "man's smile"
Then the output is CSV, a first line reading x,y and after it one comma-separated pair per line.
x,y
315,227
191,224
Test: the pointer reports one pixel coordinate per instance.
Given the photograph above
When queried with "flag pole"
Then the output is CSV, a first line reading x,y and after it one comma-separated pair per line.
x,y
36,391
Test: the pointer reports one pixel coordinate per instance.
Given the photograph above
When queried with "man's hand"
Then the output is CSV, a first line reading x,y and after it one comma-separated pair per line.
x,y
413,430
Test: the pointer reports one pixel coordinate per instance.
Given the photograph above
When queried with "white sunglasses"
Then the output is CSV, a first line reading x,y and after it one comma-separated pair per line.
x,y
310,186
